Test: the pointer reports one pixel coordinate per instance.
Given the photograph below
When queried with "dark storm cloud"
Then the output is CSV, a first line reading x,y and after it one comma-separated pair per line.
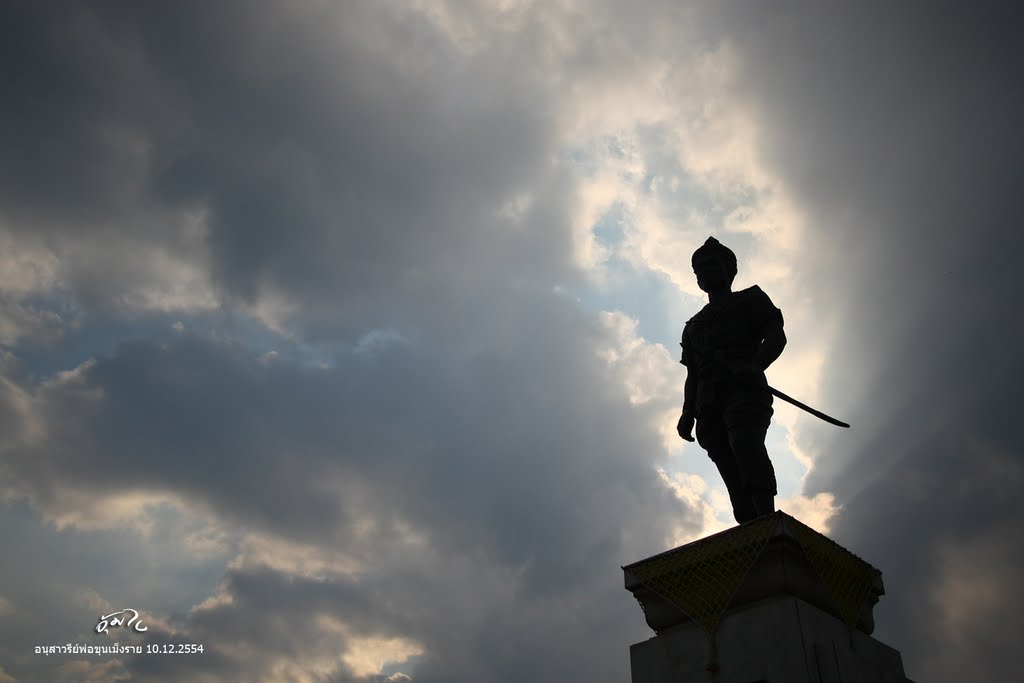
x,y
899,129
466,632
413,431
518,462
333,156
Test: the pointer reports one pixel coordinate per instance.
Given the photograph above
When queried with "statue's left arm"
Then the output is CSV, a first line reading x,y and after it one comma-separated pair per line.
x,y
771,347
769,320
767,324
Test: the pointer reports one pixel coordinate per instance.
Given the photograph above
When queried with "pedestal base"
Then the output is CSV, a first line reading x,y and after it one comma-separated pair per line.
x,y
776,640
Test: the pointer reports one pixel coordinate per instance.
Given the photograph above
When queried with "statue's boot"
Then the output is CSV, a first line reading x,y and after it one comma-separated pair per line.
x,y
764,502
742,506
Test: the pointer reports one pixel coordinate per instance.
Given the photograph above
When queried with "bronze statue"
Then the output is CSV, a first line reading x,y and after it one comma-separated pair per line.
x,y
726,348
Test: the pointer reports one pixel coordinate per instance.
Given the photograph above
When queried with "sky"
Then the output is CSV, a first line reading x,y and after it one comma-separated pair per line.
x,y
342,338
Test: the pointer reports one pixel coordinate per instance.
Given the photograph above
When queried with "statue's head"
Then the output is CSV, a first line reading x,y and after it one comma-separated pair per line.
x,y
714,264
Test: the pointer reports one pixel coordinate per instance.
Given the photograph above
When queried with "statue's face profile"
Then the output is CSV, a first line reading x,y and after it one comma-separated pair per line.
x,y
713,273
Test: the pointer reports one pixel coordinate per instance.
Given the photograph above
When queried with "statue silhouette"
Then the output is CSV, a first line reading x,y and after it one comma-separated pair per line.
x,y
726,348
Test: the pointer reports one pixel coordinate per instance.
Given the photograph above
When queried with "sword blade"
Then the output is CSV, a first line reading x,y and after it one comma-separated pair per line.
x,y
804,406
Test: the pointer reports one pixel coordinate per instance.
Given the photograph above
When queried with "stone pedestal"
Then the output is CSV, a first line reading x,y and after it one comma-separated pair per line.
x,y
770,601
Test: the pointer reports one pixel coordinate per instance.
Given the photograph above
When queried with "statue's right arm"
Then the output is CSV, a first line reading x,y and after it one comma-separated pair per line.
x,y
690,393
687,420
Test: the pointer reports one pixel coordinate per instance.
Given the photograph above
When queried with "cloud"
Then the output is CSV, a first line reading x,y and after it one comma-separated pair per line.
x,y
345,177
365,476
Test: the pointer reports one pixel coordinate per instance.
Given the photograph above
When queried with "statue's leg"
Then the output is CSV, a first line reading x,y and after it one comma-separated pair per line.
x,y
746,418
739,495
714,438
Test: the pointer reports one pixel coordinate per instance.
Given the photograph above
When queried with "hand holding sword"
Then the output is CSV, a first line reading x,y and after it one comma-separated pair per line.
x,y
750,371
686,421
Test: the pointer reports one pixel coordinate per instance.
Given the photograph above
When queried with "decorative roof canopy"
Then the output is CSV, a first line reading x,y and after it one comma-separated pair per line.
x,y
771,555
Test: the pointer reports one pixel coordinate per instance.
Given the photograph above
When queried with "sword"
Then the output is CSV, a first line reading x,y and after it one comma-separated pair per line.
x,y
804,406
